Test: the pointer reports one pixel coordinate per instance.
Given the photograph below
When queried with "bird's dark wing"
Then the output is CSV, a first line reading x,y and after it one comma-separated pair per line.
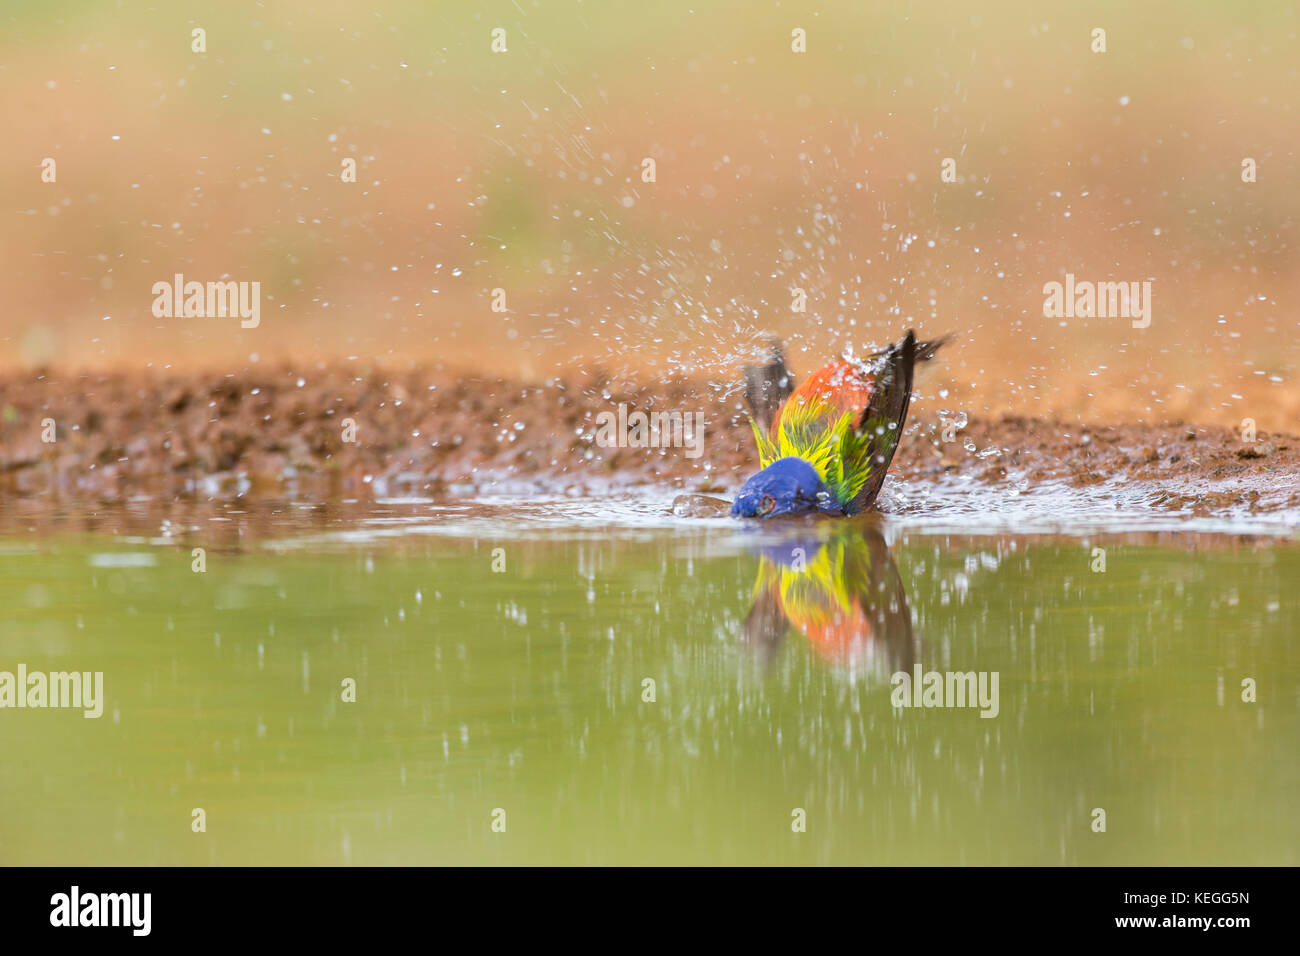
x,y
924,350
884,594
765,626
888,407
767,387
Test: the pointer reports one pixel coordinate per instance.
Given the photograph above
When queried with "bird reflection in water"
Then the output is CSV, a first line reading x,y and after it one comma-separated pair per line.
x,y
838,586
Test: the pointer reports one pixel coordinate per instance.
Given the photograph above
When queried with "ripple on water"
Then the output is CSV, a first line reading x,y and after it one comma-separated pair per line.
x,y
956,506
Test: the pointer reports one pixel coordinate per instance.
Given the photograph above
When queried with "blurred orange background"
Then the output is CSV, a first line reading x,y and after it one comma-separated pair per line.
x,y
775,169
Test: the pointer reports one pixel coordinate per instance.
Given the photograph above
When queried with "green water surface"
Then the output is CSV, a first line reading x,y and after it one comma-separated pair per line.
x,y
523,689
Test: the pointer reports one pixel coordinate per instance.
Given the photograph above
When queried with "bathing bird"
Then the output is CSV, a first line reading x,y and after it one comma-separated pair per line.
x,y
825,446
838,586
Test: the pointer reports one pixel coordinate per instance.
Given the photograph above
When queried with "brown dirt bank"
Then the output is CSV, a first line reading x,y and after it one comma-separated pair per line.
x,y
280,433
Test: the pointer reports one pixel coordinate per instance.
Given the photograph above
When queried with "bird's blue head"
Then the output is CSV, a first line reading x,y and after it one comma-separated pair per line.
x,y
788,486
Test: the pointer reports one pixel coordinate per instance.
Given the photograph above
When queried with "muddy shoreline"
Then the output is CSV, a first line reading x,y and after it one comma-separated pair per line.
x,y
281,433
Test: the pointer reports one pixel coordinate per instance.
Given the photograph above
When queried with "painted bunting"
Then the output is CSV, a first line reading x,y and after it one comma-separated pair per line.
x,y
839,587
825,446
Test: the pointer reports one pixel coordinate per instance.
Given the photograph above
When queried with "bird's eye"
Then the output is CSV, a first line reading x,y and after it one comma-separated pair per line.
x,y
766,505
